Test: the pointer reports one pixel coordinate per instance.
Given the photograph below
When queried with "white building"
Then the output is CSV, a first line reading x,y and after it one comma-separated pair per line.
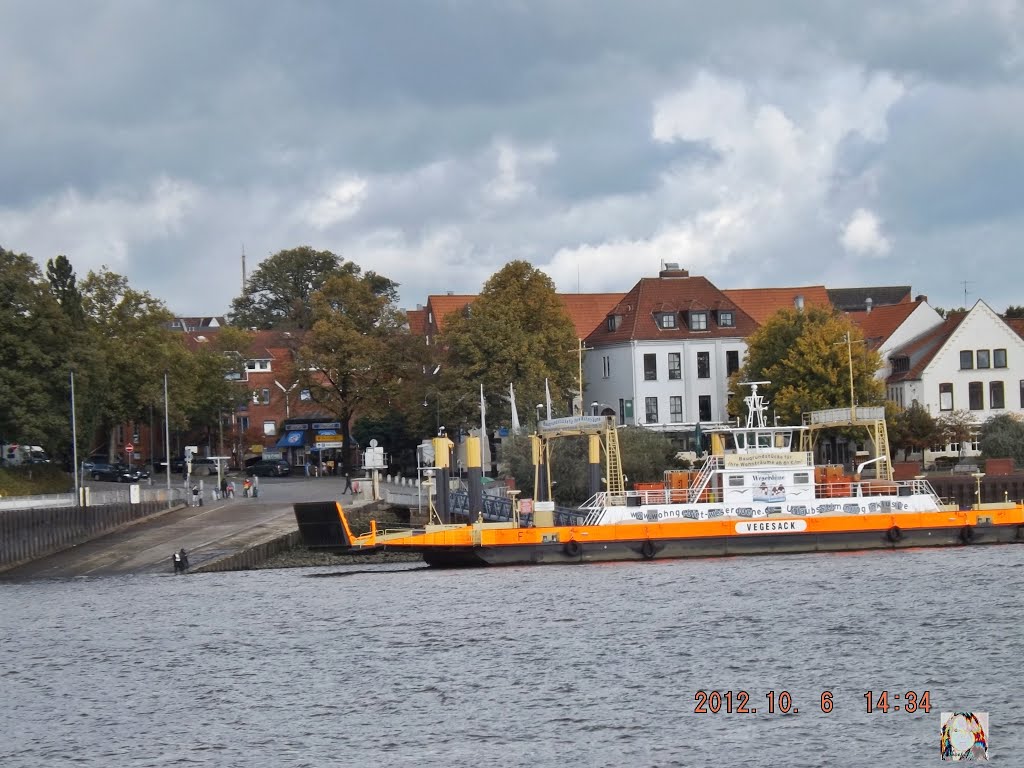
x,y
972,361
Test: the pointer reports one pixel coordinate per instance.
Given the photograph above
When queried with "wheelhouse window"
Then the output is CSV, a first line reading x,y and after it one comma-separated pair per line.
x,y
966,359
667,320
651,410
650,367
703,365
976,396
998,358
996,395
945,397
698,321
674,366
675,409
983,358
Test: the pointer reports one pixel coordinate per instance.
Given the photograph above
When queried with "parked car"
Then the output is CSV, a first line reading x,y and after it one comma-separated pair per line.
x,y
203,467
117,473
270,468
159,466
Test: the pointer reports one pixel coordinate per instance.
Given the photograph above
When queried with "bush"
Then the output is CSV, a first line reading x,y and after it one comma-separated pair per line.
x,y
34,479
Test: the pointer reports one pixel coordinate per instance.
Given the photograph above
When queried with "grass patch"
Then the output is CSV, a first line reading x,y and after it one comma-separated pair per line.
x,y
33,480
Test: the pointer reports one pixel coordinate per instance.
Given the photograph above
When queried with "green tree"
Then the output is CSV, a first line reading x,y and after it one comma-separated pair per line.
x,y
279,292
357,354
911,429
34,346
645,454
956,427
1014,311
64,287
1002,437
516,332
807,358
130,331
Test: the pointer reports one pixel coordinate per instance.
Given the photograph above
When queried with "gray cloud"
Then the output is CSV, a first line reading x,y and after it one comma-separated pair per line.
x,y
434,141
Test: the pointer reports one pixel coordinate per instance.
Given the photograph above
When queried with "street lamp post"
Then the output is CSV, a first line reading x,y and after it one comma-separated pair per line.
x,y
167,440
287,397
74,442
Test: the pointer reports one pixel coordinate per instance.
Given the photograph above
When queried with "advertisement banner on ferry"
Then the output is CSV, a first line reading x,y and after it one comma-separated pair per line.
x,y
762,458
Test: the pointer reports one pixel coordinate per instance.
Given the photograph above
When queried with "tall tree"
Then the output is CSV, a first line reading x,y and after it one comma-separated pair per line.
x,y
515,332
911,429
956,427
1002,437
279,292
34,346
806,356
64,287
130,329
1014,311
357,352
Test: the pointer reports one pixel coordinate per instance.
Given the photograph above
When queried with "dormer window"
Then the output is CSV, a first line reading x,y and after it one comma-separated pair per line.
x,y
900,364
614,322
698,321
666,320
726,319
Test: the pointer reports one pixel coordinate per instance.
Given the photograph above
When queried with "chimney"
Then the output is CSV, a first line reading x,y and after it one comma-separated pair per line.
x,y
921,298
672,269
798,302
867,304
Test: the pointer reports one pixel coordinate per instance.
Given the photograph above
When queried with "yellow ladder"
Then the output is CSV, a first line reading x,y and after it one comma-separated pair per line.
x,y
616,486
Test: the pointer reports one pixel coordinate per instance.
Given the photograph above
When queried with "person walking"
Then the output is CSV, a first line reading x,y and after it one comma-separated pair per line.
x,y
196,500
348,483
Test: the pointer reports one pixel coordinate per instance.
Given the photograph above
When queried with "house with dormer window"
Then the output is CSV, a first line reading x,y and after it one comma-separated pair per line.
x,y
663,354
972,361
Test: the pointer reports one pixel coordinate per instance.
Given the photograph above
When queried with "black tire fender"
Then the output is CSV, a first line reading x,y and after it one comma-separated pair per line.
x,y
572,548
647,549
894,534
967,534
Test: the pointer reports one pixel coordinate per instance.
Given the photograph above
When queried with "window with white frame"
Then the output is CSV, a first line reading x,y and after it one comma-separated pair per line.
x,y
726,319
265,399
698,321
667,320
270,428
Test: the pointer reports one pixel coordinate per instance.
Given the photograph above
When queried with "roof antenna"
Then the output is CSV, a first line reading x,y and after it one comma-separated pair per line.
x,y
965,283
243,268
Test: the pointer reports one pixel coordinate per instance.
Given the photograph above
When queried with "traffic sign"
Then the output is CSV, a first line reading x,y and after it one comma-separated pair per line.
x,y
129,447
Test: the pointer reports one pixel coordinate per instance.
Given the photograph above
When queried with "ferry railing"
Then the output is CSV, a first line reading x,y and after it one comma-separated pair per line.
x,y
703,478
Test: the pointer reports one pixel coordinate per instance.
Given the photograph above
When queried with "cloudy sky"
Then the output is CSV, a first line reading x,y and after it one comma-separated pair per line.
x,y
836,143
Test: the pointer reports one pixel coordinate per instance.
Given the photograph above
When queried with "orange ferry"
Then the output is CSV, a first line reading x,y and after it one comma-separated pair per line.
x,y
755,494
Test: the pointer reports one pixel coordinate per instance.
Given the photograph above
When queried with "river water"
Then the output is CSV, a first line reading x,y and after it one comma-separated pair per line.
x,y
595,665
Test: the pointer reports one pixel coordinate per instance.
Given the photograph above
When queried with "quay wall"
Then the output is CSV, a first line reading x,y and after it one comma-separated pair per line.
x,y
29,534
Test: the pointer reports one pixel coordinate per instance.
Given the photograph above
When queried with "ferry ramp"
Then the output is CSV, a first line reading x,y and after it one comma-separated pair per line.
x,y
208,533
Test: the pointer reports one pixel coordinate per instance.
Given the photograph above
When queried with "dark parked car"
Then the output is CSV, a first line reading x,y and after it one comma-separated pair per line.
x,y
117,473
270,468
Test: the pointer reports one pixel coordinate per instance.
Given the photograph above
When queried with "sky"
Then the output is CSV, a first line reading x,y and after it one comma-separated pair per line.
x,y
817,142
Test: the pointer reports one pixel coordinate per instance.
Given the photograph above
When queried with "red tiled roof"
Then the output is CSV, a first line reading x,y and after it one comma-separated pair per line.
x,y
762,303
417,319
586,310
672,294
441,306
1017,324
923,349
881,322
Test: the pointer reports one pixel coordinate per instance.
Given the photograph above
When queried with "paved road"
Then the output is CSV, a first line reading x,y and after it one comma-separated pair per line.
x,y
206,532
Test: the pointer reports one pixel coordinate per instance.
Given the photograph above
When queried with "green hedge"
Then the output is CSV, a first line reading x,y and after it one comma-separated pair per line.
x,y
33,480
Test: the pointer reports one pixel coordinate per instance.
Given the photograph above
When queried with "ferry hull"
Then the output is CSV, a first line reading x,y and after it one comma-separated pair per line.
x,y
722,546
325,527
